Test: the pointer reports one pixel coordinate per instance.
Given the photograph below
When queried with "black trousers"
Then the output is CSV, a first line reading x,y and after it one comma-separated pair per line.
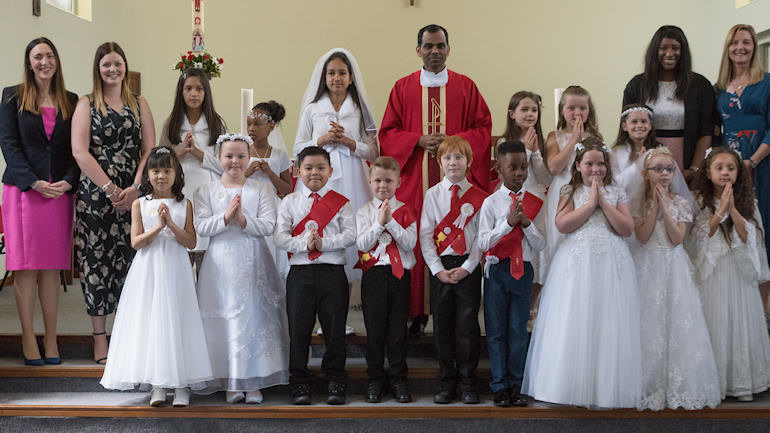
x,y
320,289
385,303
456,331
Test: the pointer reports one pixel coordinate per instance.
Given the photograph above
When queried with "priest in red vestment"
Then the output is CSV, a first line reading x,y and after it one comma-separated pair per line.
x,y
424,108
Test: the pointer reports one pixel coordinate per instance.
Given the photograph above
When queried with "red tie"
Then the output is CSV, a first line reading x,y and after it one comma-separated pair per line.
x,y
517,262
458,245
314,254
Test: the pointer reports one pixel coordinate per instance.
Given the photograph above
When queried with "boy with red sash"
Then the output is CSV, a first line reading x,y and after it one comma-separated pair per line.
x,y
315,225
511,223
448,227
387,234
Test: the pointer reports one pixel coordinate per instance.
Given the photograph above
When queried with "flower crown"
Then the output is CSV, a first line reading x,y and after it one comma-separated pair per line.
x,y
660,150
628,111
233,136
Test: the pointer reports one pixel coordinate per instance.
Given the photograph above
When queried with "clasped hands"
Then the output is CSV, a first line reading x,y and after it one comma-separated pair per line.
x,y
234,212
431,142
516,214
51,190
336,134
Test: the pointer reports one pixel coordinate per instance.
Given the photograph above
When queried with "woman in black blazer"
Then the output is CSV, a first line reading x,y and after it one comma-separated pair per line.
x,y
38,182
682,101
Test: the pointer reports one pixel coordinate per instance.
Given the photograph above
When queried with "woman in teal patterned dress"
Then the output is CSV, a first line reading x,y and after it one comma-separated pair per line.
x,y
743,102
111,131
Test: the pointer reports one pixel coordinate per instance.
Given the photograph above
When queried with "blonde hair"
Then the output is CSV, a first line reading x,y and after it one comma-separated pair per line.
x,y
756,72
387,163
97,95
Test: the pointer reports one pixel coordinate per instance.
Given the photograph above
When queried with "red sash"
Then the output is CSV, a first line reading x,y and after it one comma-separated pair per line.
x,y
449,230
320,214
510,244
404,216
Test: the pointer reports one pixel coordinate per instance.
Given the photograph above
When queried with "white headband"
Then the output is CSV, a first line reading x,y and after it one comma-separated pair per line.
x,y
629,110
260,115
580,147
233,137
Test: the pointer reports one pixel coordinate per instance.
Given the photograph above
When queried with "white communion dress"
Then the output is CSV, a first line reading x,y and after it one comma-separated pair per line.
x,y
157,338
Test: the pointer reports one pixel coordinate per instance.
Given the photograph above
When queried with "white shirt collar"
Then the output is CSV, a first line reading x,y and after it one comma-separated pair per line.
x,y
306,191
508,192
446,184
429,79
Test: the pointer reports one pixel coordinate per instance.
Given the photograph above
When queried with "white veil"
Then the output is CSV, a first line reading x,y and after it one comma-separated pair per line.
x,y
275,139
637,185
369,124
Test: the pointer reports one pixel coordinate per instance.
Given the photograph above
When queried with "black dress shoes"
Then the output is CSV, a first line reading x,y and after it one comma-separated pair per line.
x,y
401,392
373,393
470,396
336,393
301,394
502,398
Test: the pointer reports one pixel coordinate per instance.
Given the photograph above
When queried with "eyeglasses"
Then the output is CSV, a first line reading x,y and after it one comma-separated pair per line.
x,y
660,170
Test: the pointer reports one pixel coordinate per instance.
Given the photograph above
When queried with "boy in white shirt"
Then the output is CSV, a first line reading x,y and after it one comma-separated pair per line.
x,y
511,223
315,224
387,234
448,227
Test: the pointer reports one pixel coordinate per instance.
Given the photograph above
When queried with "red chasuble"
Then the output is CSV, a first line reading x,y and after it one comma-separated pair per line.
x,y
454,109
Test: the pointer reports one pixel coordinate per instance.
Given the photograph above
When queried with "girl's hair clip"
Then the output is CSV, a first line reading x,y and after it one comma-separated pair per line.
x,y
708,152
628,111
162,149
579,147
233,136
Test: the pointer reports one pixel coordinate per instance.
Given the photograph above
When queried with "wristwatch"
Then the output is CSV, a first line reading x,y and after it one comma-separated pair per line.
x,y
138,186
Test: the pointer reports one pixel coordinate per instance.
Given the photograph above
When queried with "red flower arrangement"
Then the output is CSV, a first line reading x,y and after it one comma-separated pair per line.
x,y
205,61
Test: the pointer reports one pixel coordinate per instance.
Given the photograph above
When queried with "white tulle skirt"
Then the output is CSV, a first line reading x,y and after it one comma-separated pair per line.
x,y
585,348
157,338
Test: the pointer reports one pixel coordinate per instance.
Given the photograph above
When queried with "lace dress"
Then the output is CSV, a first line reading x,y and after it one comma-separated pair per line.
x,y
552,235
585,348
678,367
728,275
241,296
157,338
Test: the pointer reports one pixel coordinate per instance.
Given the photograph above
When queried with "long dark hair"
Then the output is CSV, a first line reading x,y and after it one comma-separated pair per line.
x,y
743,194
322,88
27,90
513,132
176,119
683,71
163,157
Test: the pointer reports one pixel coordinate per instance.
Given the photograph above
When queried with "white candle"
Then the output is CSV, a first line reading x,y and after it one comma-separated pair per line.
x,y
247,101
556,98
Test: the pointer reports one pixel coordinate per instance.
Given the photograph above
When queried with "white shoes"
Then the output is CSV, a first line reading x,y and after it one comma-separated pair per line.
x,y
234,397
181,397
349,330
746,398
158,397
254,397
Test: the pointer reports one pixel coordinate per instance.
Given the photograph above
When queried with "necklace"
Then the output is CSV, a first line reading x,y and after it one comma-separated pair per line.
x,y
264,156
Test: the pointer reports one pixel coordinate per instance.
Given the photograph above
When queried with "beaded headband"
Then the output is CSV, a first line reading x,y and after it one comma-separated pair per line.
x,y
627,111
162,149
660,150
260,115
233,137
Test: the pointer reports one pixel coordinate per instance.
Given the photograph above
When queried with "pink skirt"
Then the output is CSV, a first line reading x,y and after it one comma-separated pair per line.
x,y
38,230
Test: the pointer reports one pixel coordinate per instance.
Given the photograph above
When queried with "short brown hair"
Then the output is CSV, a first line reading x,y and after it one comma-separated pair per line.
x,y
457,144
387,163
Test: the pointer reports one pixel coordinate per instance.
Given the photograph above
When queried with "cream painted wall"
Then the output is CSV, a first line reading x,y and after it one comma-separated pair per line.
x,y
504,45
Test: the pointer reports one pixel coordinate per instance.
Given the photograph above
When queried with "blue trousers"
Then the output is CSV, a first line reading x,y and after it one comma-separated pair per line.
x,y
506,312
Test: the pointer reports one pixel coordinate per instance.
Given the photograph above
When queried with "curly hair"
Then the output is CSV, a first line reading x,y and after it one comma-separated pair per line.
x,y
743,192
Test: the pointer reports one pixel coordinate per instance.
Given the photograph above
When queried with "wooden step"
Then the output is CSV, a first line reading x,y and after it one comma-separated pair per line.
x,y
135,406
